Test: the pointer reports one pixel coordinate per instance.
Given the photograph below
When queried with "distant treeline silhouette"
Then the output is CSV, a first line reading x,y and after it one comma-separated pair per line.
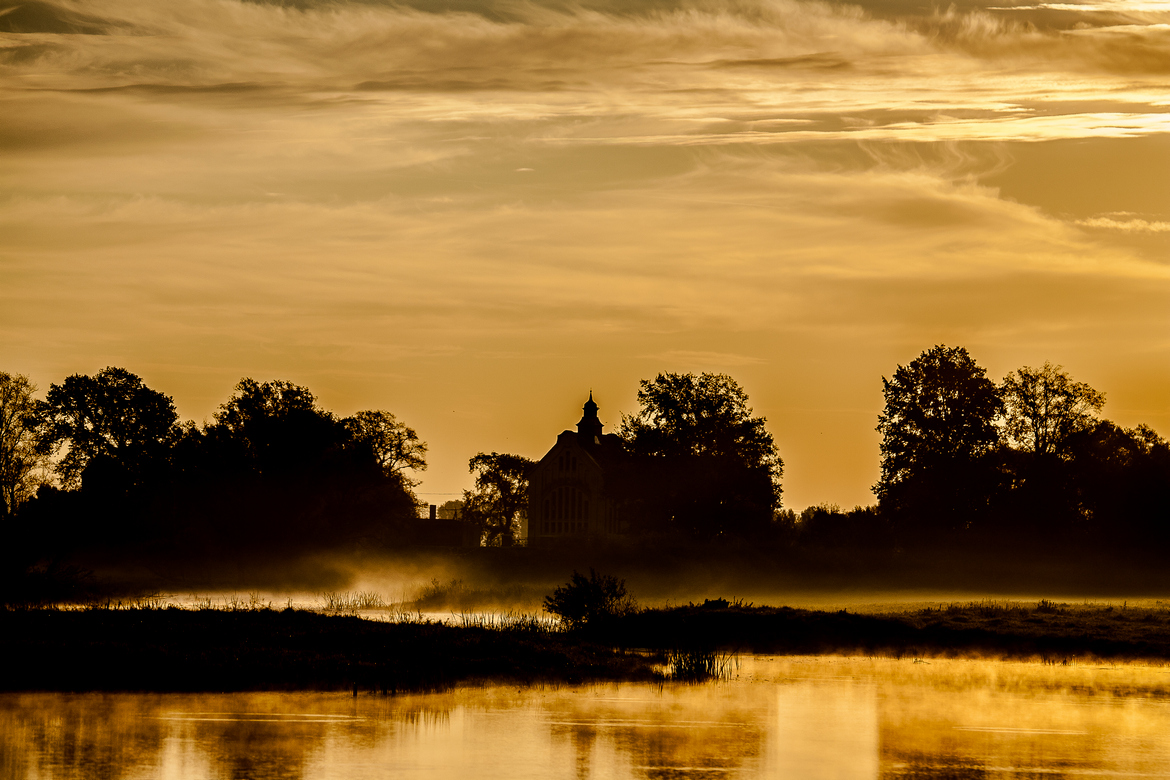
x,y
1024,466
102,467
272,475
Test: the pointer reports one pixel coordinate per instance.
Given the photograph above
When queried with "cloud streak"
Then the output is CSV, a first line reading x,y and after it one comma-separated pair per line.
x,y
383,200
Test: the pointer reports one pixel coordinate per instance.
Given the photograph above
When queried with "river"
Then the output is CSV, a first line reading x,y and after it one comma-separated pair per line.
x,y
777,717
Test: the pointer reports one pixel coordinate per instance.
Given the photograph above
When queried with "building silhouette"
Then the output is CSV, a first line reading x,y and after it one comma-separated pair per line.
x,y
567,496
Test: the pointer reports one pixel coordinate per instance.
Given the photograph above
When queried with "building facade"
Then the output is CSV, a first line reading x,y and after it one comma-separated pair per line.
x,y
567,496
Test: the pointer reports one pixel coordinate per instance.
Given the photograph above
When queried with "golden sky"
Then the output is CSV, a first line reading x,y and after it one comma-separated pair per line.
x,y
471,212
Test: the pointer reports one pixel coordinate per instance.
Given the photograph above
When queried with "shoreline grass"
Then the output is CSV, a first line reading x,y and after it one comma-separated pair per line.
x,y
245,644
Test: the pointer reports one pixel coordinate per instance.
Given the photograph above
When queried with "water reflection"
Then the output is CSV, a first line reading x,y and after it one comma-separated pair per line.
x,y
785,717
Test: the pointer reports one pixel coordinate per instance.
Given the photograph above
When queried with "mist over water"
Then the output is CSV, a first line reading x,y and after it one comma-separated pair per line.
x,y
446,584
807,717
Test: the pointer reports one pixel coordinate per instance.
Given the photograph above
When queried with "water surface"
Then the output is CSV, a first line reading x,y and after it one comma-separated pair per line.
x,y
822,717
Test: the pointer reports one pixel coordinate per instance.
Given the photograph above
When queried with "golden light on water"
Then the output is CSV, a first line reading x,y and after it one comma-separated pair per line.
x,y
811,717
473,213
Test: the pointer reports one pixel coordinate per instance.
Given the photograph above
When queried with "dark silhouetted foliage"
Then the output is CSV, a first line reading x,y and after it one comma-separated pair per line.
x,y
1043,407
586,601
392,444
274,476
938,438
499,503
19,455
113,418
700,463
826,525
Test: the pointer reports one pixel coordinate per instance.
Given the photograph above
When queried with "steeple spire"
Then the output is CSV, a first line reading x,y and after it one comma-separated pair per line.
x,y
589,428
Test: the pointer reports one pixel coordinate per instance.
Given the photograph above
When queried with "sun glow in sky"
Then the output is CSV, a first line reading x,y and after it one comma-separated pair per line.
x,y
472,212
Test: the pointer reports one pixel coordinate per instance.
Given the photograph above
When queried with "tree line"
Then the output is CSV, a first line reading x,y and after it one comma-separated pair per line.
x,y
966,463
104,463
1029,459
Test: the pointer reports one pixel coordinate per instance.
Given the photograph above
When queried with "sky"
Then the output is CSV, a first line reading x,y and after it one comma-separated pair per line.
x,y
472,213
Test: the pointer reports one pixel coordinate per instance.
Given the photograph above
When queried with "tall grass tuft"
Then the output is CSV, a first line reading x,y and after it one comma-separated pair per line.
x,y
700,665
987,608
351,601
509,621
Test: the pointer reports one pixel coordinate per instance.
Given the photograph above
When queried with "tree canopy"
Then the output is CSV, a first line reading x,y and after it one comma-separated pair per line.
x,y
273,475
393,445
499,503
938,428
112,416
702,463
1043,407
19,456
275,427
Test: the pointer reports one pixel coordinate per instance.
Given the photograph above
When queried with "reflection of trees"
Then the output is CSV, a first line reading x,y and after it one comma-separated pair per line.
x,y
664,752
94,735
681,734
251,749
235,736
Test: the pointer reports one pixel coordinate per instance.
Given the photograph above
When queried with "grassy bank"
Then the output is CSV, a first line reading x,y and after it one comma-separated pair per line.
x,y
264,649
1041,631
172,649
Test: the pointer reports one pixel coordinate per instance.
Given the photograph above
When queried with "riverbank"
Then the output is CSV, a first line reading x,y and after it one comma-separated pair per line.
x,y
291,649
1042,631
264,649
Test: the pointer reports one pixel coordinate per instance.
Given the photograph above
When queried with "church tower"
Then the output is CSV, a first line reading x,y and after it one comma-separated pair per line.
x,y
589,427
567,499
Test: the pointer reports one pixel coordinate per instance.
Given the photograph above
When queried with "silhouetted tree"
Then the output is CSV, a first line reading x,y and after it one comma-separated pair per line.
x,y
1119,486
111,422
19,456
1043,407
276,472
499,502
275,427
938,435
700,462
826,525
1044,410
394,445
450,510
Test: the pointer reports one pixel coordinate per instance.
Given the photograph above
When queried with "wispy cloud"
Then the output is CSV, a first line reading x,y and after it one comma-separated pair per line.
x,y
384,198
1129,225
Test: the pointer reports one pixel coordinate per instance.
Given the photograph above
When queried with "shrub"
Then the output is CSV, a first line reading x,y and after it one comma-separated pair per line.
x,y
586,600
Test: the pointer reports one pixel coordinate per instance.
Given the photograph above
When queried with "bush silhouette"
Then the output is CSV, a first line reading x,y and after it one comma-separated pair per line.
x,y
585,601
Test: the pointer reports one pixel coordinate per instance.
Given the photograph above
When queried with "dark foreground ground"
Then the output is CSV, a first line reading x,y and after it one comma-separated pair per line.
x,y
220,650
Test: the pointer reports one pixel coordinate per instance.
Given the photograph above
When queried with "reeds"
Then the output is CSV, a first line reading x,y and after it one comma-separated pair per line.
x,y
988,608
509,621
700,665
351,601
